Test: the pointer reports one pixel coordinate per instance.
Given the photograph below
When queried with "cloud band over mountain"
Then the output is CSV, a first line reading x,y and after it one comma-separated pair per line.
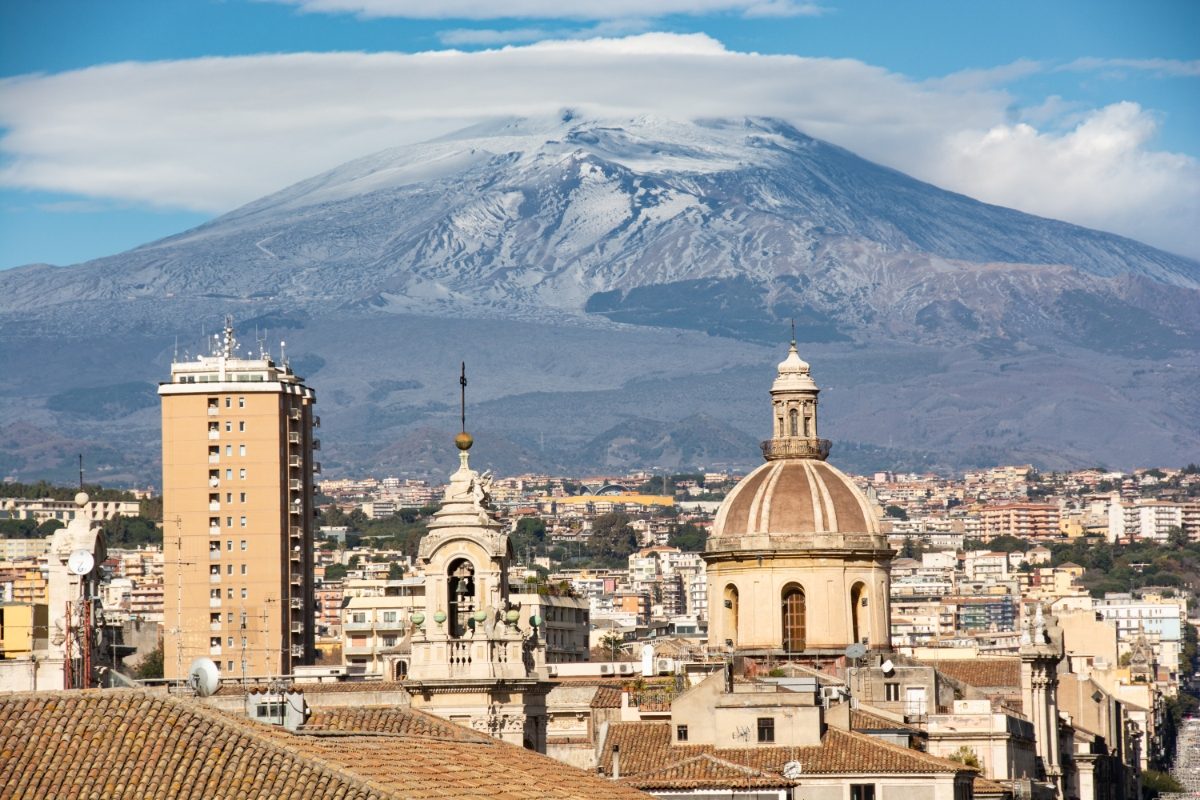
x,y
212,133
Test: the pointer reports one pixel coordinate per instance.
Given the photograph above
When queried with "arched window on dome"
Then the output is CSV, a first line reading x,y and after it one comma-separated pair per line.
x,y
859,612
793,423
793,607
731,613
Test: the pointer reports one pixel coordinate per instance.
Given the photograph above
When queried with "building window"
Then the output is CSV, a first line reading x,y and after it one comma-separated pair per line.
x,y
243,569
229,666
766,729
862,791
360,616
389,641
241,402
891,692
241,449
242,497
242,473
793,617
389,616
229,473
681,733
243,592
228,426
229,569
214,594
228,449
243,521
242,425
229,544
230,593
229,497
243,544
228,402
229,522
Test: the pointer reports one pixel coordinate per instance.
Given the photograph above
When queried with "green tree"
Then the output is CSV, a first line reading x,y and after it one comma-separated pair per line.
x,y
151,665
529,536
688,537
335,572
395,571
966,756
896,512
612,540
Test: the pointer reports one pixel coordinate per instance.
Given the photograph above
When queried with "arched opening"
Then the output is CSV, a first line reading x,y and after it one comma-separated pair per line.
x,y
401,671
460,586
794,630
794,422
858,612
731,613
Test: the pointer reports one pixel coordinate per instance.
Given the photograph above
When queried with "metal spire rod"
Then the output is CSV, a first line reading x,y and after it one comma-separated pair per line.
x,y
793,331
462,382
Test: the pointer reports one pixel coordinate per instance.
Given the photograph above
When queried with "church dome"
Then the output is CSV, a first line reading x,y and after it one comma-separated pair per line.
x,y
790,497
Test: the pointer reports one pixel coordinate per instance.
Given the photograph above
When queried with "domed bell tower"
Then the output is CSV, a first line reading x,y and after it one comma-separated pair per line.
x,y
797,565
474,658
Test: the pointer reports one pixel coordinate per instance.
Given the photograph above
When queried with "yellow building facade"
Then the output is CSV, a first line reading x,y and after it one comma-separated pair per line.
x,y
237,514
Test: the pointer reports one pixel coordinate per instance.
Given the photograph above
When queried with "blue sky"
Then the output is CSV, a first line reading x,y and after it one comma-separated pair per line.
x,y
1081,110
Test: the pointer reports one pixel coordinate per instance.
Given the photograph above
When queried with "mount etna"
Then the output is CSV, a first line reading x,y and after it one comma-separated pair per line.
x,y
621,290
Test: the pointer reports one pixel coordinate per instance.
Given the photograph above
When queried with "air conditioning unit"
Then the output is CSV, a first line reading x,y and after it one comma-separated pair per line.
x,y
832,693
625,668
663,666
605,669
552,670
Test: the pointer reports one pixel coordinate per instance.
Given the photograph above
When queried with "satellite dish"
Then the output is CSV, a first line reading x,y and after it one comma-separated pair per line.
x,y
81,562
888,667
792,770
203,676
856,650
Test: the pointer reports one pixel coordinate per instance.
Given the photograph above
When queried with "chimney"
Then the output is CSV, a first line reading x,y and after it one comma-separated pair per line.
x,y
616,768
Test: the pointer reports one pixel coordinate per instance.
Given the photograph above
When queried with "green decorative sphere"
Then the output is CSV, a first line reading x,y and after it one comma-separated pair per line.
x,y
535,621
439,617
480,616
418,619
513,616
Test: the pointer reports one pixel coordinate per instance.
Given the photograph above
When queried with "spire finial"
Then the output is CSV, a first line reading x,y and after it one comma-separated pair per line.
x,y
793,331
464,440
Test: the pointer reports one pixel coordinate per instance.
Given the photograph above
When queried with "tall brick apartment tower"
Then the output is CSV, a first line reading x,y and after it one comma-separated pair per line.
x,y
238,466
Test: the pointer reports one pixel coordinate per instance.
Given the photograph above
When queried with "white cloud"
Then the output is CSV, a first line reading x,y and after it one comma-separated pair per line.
x,y
209,134
467,37
554,9
1163,67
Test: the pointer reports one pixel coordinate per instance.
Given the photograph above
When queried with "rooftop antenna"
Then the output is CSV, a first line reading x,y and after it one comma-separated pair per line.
x,y
175,357
282,352
462,382
793,331
81,472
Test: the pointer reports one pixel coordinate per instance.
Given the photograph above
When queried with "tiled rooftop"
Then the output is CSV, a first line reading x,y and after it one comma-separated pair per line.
x,y
131,744
646,749
861,720
982,673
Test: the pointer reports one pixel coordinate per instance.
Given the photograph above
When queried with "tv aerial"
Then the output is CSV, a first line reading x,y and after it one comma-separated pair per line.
x,y
203,676
80,562
792,770
856,651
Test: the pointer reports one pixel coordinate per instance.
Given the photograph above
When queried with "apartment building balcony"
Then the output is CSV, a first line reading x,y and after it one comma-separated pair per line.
x,y
214,577
297,579
214,530
213,505
316,421
213,411
295,461
297,651
295,413
358,650
296,602
296,509
214,458
357,626
214,602
295,484
214,651
296,531
214,555
795,446
297,627
214,435
215,627
316,444
293,438
316,467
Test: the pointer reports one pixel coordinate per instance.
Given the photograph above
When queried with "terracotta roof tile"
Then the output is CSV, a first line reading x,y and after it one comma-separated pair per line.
x,y
982,673
131,744
706,771
646,748
861,720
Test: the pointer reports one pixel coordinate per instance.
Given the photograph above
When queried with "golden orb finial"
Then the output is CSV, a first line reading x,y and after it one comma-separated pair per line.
x,y
463,441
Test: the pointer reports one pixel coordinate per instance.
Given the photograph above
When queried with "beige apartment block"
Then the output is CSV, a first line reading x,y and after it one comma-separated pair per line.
x,y
237,514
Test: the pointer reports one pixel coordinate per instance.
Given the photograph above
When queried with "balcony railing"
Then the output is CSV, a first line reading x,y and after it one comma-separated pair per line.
x,y
316,444
214,577
214,458
317,467
294,461
297,651
214,555
214,602
296,531
213,505
214,651
316,421
296,602
295,413
213,411
295,485
795,447
214,435
294,438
